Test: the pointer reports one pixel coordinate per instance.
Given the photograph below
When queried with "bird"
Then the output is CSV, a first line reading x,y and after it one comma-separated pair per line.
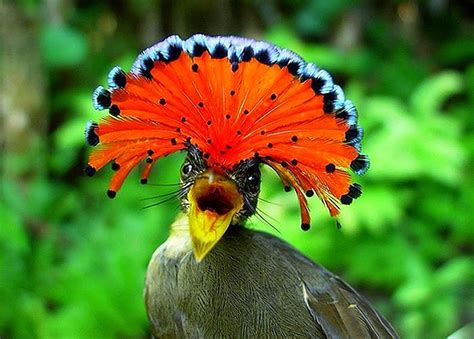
x,y
234,105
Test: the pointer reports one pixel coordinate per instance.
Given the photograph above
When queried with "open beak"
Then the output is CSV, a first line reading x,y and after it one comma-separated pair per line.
x,y
214,200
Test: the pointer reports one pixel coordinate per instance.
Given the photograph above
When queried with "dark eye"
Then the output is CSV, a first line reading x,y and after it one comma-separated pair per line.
x,y
186,169
253,180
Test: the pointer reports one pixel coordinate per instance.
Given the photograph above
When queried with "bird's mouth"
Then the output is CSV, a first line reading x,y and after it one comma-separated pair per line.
x,y
214,199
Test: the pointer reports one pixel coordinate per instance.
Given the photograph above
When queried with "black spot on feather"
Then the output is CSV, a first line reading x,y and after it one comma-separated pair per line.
x,y
235,66
147,66
355,191
328,101
114,110
174,51
346,200
293,67
247,53
198,49
101,98
317,84
305,227
119,78
330,168
89,170
92,139
263,56
351,134
219,51
360,165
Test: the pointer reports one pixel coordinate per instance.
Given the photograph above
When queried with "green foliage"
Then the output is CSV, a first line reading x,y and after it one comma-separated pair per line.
x,y
72,262
62,46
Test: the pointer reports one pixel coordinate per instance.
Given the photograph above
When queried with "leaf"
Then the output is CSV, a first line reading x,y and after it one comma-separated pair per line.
x,y
427,99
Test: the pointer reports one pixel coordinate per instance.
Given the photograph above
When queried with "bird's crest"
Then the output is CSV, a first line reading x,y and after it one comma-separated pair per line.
x,y
234,99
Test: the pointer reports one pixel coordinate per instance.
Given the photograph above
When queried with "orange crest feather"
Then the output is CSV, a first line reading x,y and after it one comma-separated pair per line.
x,y
234,99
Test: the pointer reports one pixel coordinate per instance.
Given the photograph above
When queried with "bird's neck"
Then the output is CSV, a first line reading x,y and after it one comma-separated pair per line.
x,y
179,240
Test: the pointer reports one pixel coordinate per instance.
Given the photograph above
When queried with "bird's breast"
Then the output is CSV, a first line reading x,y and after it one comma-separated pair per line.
x,y
241,289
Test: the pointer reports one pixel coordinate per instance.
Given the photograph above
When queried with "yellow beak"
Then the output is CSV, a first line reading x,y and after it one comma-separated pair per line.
x,y
214,200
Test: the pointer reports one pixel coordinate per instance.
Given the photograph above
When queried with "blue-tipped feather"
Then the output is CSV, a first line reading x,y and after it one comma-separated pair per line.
x,y
92,139
172,49
348,113
101,98
196,45
361,164
355,191
321,81
354,136
339,99
117,78
290,60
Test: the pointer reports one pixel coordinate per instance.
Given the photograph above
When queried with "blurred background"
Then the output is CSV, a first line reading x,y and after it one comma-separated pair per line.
x,y
72,261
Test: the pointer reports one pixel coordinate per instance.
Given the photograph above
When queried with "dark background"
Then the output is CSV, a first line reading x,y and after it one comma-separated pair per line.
x,y
72,262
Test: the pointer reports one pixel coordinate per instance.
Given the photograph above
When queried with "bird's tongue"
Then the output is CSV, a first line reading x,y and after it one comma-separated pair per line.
x,y
213,204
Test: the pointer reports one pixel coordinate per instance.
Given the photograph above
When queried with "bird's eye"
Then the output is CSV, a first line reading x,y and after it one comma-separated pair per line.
x,y
186,169
253,180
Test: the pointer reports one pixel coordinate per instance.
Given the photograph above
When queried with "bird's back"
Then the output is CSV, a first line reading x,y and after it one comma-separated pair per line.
x,y
252,285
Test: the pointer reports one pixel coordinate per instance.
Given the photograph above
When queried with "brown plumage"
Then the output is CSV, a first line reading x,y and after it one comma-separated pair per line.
x,y
251,285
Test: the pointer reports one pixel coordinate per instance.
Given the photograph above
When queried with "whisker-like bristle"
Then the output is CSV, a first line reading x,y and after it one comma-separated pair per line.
x,y
265,221
167,194
269,202
161,202
259,210
164,185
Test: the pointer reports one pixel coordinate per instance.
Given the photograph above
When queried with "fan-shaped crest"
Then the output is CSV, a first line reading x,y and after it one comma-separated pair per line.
x,y
235,99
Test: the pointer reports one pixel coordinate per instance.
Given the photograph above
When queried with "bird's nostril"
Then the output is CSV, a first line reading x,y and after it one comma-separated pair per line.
x,y
215,201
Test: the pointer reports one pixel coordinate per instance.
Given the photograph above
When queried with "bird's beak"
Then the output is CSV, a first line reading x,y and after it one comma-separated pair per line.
x,y
214,200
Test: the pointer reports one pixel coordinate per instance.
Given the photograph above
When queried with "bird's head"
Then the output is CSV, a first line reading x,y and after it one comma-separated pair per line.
x,y
232,104
216,198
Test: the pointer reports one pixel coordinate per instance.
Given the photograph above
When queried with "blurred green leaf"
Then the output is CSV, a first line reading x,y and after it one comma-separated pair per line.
x,y
63,46
427,99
